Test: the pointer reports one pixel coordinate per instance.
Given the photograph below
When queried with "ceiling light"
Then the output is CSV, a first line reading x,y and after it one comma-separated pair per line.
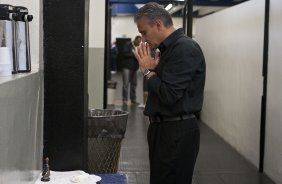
x,y
168,7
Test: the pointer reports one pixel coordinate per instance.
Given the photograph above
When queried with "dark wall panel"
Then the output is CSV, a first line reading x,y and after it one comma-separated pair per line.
x,y
65,80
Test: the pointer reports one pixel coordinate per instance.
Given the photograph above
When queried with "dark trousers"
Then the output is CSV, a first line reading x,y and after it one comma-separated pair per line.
x,y
173,149
129,77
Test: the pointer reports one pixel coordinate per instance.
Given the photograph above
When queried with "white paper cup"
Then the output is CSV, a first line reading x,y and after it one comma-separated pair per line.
x,y
5,56
5,70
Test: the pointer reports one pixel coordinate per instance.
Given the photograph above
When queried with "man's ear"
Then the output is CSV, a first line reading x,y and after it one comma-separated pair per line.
x,y
159,24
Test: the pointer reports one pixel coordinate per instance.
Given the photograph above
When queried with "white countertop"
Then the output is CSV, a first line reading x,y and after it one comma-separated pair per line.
x,y
5,79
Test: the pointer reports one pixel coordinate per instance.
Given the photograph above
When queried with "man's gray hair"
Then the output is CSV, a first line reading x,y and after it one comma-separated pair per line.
x,y
152,12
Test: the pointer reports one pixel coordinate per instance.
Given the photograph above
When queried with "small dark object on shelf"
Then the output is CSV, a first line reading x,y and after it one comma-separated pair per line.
x,y
46,170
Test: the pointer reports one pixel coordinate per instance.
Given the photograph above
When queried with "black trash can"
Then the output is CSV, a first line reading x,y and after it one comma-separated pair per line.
x,y
106,129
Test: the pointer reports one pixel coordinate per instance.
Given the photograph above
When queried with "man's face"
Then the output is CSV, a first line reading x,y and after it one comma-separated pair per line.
x,y
149,33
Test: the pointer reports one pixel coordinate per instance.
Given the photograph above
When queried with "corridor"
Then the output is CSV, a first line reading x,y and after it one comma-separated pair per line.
x,y
217,162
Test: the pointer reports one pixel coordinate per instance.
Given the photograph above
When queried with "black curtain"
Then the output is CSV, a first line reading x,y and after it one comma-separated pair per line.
x,y
65,25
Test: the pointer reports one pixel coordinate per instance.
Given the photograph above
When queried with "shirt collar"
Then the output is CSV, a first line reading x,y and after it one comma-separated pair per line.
x,y
170,39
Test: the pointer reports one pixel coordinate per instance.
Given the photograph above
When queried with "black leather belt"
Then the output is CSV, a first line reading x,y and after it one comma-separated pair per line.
x,y
158,119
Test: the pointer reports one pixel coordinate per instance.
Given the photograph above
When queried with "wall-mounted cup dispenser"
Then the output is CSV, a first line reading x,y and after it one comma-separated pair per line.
x,y
8,54
22,20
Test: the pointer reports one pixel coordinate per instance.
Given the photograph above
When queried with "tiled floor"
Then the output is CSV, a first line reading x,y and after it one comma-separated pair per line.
x,y
217,163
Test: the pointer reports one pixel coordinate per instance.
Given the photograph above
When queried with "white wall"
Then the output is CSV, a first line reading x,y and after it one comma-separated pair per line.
x,y
124,26
97,24
34,27
273,148
96,53
232,41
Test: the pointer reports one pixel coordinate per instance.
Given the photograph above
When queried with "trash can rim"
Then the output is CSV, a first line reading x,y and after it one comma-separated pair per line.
x,y
123,113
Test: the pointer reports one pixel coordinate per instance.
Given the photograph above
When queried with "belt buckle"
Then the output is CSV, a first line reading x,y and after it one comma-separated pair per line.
x,y
155,119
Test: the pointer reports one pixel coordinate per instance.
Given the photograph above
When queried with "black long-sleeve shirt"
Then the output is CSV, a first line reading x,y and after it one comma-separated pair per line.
x,y
178,86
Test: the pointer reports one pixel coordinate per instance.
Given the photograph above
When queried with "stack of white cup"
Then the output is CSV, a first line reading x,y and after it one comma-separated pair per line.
x,y
6,64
